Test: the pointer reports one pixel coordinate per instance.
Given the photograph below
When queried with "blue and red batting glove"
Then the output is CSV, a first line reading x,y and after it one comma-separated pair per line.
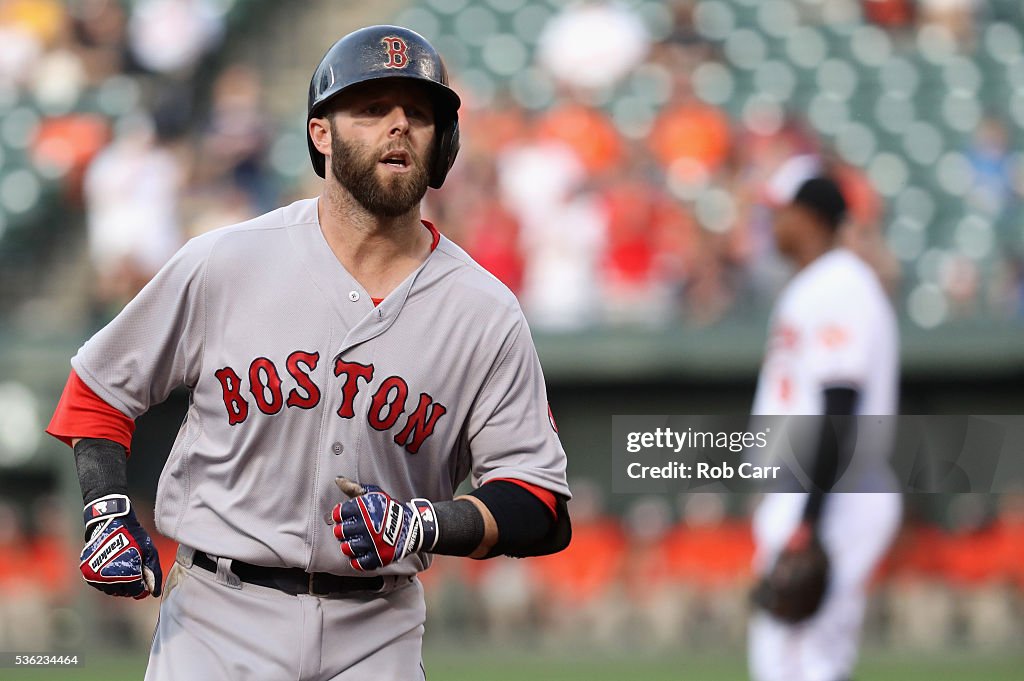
x,y
375,530
118,557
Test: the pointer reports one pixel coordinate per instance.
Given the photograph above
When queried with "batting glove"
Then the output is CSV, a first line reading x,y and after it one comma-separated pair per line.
x,y
375,530
118,557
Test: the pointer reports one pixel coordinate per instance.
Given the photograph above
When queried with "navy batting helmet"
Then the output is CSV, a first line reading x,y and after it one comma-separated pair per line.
x,y
379,52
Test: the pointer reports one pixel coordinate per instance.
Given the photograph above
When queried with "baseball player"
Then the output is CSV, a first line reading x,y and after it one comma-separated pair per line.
x,y
347,367
832,350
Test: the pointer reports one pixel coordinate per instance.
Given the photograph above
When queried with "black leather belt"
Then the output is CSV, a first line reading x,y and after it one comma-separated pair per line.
x,y
294,581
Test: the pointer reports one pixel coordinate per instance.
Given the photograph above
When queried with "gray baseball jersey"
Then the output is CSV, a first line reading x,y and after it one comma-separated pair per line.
x,y
296,378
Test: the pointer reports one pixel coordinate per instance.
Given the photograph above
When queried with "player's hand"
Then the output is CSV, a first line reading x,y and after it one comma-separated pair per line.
x,y
118,557
375,530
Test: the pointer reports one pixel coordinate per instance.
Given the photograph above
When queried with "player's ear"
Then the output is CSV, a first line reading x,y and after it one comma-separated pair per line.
x,y
320,133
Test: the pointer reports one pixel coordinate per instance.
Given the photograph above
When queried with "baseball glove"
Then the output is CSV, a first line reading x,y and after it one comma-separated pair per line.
x,y
795,587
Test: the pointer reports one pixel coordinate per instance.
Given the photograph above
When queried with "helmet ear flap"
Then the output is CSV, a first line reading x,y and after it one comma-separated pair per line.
x,y
445,153
319,162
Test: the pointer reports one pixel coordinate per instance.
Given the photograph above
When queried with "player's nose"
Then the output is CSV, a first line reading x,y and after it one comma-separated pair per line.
x,y
398,121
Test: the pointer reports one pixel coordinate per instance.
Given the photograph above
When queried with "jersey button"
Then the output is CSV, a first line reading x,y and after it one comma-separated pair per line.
x,y
353,296
337,448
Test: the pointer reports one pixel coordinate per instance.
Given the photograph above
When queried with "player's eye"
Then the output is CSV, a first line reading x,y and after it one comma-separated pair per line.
x,y
420,113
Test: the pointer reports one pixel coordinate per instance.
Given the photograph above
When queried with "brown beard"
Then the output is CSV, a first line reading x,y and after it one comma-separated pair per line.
x,y
355,166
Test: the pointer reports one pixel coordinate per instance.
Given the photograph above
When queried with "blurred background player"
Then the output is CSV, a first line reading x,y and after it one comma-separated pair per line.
x,y
833,349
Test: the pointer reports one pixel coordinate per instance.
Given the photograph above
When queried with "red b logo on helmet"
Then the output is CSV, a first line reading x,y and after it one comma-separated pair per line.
x,y
397,58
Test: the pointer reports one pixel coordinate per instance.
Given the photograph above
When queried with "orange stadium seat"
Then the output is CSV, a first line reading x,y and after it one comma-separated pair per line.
x,y
715,556
574,576
691,131
587,131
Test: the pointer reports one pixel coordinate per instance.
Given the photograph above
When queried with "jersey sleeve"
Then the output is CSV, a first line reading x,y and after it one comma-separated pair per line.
x,y
512,435
840,344
155,343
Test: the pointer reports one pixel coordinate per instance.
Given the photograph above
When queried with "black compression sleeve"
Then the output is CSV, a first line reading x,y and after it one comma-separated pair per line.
x,y
525,525
523,520
833,443
460,528
102,468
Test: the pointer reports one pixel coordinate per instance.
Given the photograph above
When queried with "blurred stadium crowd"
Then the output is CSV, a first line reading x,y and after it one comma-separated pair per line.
x,y
655,578
618,167
619,159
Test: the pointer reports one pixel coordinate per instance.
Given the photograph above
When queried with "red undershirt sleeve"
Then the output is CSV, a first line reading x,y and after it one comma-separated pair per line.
x,y
82,413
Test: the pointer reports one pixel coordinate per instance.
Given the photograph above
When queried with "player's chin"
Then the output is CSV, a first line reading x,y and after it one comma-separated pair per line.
x,y
405,185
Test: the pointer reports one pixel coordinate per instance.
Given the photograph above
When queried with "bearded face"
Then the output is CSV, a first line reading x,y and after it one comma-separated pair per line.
x,y
384,194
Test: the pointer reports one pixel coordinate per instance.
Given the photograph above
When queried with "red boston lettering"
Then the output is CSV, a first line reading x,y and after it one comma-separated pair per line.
x,y
260,387
353,373
389,402
421,424
381,401
231,384
302,378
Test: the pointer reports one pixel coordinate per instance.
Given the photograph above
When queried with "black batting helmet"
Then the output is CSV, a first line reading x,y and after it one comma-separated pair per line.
x,y
379,52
